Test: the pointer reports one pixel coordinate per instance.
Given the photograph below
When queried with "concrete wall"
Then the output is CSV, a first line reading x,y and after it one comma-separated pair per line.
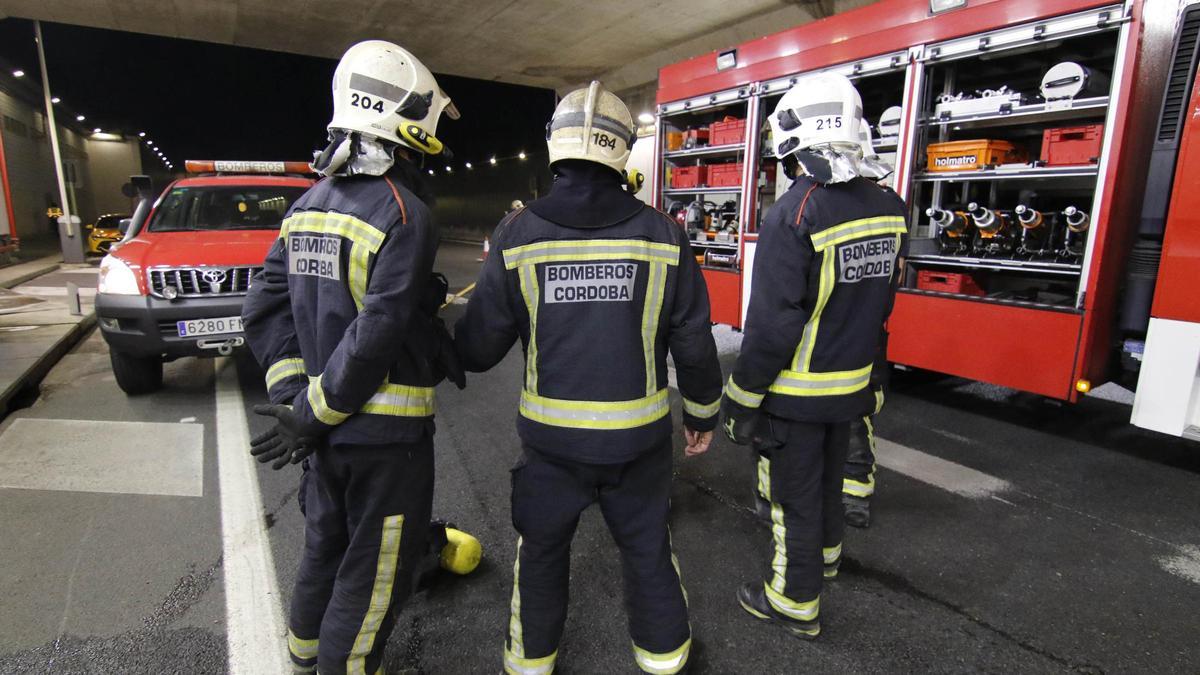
x,y
470,203
95,169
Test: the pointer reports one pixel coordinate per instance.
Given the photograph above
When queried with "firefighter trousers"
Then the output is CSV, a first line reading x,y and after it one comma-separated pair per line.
x,y
548,496
800,478
859,480
366,521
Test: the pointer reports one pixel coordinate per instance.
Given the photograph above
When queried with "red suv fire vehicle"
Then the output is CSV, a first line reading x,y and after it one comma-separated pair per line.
x,y
174,285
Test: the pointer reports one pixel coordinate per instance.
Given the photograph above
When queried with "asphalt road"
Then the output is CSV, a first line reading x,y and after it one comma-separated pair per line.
x,y
1011,535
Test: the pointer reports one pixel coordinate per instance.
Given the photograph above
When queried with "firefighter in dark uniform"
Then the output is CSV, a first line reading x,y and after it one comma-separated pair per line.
x,y
598,287
828,258
336,320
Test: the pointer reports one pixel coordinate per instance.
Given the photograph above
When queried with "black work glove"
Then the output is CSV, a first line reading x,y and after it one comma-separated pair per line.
x,y
738,421
288,442
445,360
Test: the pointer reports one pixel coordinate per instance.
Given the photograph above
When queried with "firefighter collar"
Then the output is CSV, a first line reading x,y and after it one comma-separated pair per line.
x,y
586,195
828,164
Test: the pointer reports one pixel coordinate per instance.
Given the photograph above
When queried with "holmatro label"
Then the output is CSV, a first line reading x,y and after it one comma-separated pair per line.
x,y
591,282
314,256
867,259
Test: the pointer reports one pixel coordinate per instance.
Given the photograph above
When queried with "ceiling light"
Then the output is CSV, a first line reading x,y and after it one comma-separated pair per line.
x,y
141,134
469,165
492,160
522,155
56,100
449,169
431,172
18,73
96,130
80,118
646,118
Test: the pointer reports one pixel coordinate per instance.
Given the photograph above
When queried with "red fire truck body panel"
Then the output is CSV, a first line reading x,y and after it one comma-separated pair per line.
x,y
1175,294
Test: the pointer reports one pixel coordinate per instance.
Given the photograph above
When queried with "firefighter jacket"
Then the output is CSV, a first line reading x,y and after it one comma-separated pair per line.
x,y
598,301
334,316
825,275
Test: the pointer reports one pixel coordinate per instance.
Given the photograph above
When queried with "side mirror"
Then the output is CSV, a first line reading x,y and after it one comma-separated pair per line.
x,y
124,225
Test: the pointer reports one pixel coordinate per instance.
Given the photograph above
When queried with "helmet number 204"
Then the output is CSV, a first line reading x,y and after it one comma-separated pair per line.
x,y
366,102
829,123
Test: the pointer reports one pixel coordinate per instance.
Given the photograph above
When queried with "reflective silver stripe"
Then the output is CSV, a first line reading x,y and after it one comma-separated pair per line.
x,y
400,400
595,414
590,249
576,119
820,109
370,85
532,293
821,384
741,396
701,410
856,229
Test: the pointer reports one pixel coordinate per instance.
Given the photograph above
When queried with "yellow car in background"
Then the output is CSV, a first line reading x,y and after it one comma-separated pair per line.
x,y
105,233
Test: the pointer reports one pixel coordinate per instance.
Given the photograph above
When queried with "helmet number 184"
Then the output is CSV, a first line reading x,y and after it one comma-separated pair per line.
x,y
366,102
604,140
829,123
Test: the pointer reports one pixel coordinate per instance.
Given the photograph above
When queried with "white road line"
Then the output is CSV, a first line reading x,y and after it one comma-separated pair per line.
x,y
1185,564
253,613
938,472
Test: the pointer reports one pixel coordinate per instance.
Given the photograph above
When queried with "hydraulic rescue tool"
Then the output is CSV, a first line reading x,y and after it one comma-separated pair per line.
x,y
954,230
994,234
1075,236
1037,232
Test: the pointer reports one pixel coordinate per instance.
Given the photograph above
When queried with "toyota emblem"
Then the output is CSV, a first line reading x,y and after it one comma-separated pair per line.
x,y
214,278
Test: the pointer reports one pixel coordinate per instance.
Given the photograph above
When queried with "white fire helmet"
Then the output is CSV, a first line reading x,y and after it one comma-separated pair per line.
x,y
381,90
591,124
822,110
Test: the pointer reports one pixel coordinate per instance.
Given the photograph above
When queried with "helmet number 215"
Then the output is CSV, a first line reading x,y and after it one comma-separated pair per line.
x,y
366,102
829,123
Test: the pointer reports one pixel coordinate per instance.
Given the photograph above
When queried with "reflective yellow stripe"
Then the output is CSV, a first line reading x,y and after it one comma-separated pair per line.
x,y
878,407
301,649
595,414
360,258
515,665
793,383
663,664
532,294
803,359
831,554
858,229
401,400
802,611
779,560
764,478
585,250
397,400
741,396
364,240
701,410
316,401
283,369
655,285
516,645
381,594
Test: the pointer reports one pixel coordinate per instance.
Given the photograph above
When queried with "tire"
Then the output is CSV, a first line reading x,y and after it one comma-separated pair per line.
x,y
137,375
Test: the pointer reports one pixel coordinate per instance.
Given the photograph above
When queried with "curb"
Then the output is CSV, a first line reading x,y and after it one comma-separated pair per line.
x,y
34,374
30,275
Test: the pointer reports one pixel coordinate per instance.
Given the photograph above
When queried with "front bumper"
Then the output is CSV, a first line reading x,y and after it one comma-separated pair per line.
x,y
145,326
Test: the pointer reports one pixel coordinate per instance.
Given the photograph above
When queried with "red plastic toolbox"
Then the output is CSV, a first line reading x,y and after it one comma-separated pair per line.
x,y
695,138
728,131
725,175
688,176
948,282
1072,145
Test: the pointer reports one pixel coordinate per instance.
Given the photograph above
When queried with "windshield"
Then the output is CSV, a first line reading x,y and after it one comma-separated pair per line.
x,y
188,209
109,222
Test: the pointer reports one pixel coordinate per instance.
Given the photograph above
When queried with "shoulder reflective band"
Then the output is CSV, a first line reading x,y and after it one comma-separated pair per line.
x,y
857,229
741,396
700,410
322,411
671,662
792,383
364,239
386,566
583,250
283,369
401,400
595,414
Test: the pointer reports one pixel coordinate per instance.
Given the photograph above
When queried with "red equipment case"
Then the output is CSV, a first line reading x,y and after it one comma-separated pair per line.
x,y
695,138
1065,146
688,176
948,282
728,131
725,175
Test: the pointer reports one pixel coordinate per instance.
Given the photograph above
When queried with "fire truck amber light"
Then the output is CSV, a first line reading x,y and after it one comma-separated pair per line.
x,y
1083,386
116,278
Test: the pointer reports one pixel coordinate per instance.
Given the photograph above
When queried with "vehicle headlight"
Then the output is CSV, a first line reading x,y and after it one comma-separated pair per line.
x,y
116,277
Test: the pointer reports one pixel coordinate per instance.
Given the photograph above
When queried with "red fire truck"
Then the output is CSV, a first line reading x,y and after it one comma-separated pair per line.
x,y
174,285
1021,132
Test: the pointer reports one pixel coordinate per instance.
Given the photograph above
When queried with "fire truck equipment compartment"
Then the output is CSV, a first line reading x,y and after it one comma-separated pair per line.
x,y
948,282
968,155
1065,146
728,131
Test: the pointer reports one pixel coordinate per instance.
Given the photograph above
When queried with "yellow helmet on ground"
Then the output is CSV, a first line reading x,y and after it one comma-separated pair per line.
x,y
462,552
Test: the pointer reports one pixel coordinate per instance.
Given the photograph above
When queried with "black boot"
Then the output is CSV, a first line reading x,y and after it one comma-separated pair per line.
x,y
753,599
857,510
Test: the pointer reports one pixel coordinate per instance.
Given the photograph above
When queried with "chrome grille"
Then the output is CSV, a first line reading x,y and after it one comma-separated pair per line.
x,y
202,282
